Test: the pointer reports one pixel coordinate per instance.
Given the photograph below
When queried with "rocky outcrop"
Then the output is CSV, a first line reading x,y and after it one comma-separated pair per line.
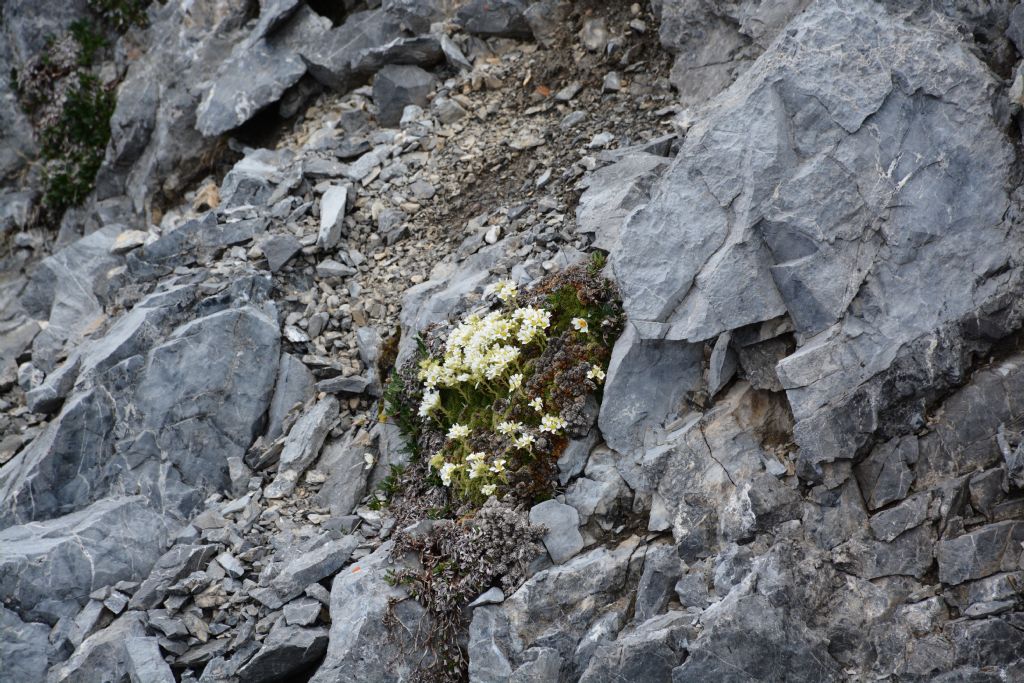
x,y
807,460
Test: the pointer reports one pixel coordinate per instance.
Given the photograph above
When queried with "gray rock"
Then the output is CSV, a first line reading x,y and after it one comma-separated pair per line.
x,y
722,365
540,664
885,475
62,290
662,569
647,654
257,74
41,482
613,192
574,458
562,537
145,664
492,596
202,400
397,86
202,234
545,19
986,642
990,549
286,651
24,649
692,590
418,15
500,635
503,18
488,632
707,276
169,568
313,566
347,473
251,181
591,498
302,445
912,512
331,58
418,50
909,554
279,250
332,214
18,144
746,637
646,383
360,647
231,565
50,567
329,268
302,612
353,384
295,384
104,655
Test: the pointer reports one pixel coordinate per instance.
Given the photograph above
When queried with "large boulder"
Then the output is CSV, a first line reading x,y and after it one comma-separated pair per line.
x,y
196,376
63,290
48,569
24,647
501,636
361,646
715,42
258,73
859,192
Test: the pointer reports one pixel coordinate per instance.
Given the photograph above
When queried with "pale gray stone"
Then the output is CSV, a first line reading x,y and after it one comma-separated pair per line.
x,y
562,537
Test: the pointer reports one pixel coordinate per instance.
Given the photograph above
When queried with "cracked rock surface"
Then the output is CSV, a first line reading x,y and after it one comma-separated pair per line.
x,y
806,464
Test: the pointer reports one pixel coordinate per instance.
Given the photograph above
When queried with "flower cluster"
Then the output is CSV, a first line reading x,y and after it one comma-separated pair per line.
x,y
498,394
482,349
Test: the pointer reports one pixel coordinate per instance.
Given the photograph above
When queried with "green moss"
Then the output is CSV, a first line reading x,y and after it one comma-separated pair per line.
x,y
74,145
121,14
90,41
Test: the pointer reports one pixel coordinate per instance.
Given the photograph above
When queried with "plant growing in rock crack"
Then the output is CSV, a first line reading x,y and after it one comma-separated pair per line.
x,y
492,401
485,408
71,109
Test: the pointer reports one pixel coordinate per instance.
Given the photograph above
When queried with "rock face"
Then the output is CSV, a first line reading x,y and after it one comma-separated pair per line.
x,y
50,567
766,243
807,461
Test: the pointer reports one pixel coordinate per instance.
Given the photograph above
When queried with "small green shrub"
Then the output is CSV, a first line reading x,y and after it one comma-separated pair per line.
x,y
74,145
89,41
71,111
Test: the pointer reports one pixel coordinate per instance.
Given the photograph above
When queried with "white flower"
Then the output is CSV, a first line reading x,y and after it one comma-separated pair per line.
x,y
431,401
368,459
515,381
537,404
498,465
478,469
500,358
531,322
506,290
488,489
446,473
524,441
508,428
436,460
581,325
595,372
457,431
550,423
476,457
